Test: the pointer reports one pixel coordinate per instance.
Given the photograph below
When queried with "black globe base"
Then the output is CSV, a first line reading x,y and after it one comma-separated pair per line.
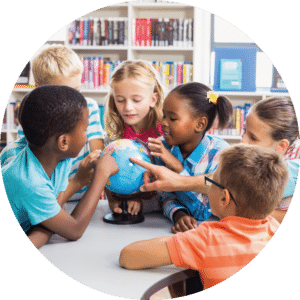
x,y
123,219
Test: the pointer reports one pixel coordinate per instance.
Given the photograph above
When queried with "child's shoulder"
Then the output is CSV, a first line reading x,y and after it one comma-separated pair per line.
x,y
216,142
91,103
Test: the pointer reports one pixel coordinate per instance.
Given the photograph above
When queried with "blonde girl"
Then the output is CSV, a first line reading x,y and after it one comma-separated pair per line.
x,y
134,110
135,102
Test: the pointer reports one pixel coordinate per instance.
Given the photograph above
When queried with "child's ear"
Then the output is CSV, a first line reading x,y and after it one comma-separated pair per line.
x,y
282,146
62,142
225,198
201,124
154,99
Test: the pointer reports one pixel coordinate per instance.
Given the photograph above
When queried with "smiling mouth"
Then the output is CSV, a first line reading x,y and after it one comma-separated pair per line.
x,y
130,116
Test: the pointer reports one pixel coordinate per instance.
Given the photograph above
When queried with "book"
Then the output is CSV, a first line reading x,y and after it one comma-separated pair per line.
x,y
231,74
98,31
236,123
162,32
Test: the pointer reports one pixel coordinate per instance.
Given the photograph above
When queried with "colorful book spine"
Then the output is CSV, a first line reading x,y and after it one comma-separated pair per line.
x,y
236,124
162,32
98,31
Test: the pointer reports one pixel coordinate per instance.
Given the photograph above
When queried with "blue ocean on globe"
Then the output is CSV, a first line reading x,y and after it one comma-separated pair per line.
x,y
130,176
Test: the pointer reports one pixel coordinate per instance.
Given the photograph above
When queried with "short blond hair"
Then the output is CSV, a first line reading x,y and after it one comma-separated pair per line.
x,y
255,176
144,72
54,61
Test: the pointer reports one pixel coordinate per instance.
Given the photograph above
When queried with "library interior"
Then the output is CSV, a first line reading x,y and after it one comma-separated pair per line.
x,y
183,44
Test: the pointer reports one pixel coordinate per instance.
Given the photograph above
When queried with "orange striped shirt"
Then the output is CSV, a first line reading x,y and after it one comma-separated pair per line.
x,y
220,249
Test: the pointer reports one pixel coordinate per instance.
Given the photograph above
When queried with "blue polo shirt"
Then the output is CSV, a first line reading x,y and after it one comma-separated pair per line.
x,y
31,193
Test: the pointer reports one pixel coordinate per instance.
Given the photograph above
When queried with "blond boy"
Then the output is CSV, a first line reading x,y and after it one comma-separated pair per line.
x,y
246,187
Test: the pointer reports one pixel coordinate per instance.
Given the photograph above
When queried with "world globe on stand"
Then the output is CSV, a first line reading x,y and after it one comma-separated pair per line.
x,y
130,176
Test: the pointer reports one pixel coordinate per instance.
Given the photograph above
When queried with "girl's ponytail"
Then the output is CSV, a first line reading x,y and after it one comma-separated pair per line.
x,y
204,101
224,111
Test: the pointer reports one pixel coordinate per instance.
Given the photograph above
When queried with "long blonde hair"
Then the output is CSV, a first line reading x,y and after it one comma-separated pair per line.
x,y
144,72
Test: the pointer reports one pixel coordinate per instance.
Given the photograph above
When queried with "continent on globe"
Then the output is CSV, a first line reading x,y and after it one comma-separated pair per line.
x,y
130,176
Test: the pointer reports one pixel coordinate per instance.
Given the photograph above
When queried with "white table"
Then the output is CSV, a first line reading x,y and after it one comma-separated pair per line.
x,y
94,259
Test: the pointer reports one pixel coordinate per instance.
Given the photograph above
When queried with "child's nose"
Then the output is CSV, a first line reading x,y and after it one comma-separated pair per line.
x,y
128,105
164,122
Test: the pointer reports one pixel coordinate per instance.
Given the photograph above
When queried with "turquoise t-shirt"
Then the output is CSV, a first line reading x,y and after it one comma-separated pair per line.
x,y
31,193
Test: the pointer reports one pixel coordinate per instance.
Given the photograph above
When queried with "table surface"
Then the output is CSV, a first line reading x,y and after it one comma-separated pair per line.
x,y
93,260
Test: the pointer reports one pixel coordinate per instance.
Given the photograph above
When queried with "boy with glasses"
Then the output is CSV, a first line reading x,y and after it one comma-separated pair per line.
x,y
246,187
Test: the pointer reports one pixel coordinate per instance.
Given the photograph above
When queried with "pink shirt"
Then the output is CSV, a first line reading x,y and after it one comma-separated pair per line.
x,y
128,133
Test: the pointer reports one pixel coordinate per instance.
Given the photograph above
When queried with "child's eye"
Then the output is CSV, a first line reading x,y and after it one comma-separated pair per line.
x,y
172,119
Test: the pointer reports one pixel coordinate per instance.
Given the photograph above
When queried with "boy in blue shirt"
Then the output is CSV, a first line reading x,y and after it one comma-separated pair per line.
x,y
54,120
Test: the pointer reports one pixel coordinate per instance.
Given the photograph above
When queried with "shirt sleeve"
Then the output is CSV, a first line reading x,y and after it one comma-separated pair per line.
x,y
199,201
187,249
43,204
94,130
170,205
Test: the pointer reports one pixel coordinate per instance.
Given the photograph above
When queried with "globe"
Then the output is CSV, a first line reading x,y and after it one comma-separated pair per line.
x,y
130,176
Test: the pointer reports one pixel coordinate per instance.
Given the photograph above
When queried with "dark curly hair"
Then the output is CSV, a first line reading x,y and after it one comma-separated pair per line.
x,y
49,110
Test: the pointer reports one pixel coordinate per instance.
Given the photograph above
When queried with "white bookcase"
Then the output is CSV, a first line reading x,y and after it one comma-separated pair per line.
x,y
199,53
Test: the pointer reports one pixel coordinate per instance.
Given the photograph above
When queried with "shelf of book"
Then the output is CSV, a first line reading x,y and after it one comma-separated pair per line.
x,y
195,52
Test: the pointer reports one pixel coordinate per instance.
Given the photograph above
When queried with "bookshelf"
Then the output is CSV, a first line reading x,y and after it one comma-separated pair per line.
x,y
198,53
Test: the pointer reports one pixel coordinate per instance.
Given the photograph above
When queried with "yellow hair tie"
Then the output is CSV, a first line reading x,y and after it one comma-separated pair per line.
x,y
212,97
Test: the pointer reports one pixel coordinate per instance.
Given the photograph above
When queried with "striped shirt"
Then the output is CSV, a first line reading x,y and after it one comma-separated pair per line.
x,y
203,160
220,249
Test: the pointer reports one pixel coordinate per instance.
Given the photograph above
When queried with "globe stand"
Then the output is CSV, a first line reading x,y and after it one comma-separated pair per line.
x,y
124,218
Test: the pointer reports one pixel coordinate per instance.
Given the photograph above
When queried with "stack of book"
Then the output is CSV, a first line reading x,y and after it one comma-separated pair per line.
x,y
98,32
174,73
163,32
236,124
97,72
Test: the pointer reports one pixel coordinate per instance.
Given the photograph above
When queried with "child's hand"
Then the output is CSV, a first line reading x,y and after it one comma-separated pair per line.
x,y
107,164
158,149
85,170
134,206
184,223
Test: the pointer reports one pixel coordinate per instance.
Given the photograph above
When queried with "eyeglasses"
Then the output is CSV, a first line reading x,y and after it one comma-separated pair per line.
x,y
209,182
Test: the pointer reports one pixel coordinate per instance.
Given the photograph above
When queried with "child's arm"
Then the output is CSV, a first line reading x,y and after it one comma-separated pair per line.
x,y
82,177
73,226
159,150
146,254
39,236
169,181
96,144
